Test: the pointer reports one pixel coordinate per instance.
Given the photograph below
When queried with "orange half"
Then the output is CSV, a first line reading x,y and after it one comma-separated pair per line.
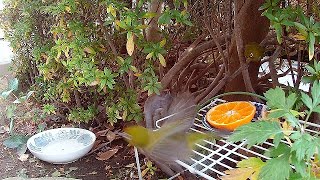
x,y
231,115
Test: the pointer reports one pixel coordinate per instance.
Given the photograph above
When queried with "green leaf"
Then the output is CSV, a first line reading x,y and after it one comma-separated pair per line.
x,y
278,29
10,111
13,84
306,100
301,28
310,69
149,15
277,113
277,168
306,146
5,94
278,151
257,132
315,93
282,105
300,165
15,141
23,98
164,18
312,41
276,98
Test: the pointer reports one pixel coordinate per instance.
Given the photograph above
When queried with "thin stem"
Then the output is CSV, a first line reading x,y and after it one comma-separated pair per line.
x,y
233,93
306,120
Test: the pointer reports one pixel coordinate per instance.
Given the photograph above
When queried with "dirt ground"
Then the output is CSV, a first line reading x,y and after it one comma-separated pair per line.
x,y
120,166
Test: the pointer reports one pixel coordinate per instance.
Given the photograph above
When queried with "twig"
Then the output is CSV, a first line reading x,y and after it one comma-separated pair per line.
x,y
224,59
98,148
272,67
211,86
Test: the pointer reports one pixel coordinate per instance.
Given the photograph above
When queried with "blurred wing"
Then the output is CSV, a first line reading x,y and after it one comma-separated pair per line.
x,y
166,151
181,114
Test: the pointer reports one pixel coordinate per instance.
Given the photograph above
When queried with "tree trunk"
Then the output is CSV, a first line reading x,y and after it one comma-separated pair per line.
x,y
253,28
153,31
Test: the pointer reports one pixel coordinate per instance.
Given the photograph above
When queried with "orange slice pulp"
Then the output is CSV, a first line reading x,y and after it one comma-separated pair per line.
x,y
231,115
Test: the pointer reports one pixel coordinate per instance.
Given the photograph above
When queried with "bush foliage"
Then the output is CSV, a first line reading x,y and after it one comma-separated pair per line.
x,y
85,55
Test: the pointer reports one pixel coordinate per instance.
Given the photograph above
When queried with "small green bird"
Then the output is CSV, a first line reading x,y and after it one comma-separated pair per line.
x,y
171,141
253,52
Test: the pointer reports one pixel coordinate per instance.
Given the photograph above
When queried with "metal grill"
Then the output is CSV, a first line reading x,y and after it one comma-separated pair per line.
x,y
211,159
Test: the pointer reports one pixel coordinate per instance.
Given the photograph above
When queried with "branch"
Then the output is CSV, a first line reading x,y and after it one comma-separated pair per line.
x,y
211,86
184,60
272,67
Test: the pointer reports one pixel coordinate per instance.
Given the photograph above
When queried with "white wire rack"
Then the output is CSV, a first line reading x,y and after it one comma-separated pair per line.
x,y
211,159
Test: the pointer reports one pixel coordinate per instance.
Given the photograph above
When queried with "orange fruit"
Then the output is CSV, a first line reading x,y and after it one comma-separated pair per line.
x,y
230,115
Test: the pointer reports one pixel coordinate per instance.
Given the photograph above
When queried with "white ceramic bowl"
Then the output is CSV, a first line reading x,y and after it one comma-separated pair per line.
x,y
62,145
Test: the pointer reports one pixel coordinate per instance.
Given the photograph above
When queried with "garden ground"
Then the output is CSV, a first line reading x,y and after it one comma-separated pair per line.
x,y
119,166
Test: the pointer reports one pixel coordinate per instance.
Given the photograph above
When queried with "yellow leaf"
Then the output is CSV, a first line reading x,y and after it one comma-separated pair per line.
x,y
163,42
69,34
68,9
144,172
149,55
54,35
134,69
130,44
287,129
66,52
112,10
137,74
247,169
44,56
58,55
298,37
121,59
117,22
162,60
238,174
89,50
95,82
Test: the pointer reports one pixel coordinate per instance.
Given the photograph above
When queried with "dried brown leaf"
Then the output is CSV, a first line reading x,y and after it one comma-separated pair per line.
x,y
102,132
111,136
106,155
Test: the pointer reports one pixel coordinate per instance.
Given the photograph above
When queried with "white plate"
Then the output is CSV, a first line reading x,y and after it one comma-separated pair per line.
x,y
62,145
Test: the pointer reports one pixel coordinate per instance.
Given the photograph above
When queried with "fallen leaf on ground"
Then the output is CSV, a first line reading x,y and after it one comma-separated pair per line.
x,y
93,173
130,165
23,157
56,174
72,168
106,155
102,132
144,172
111,136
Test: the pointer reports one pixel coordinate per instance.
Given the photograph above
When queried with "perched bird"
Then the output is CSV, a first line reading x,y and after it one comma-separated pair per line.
x,y
171,141
253,52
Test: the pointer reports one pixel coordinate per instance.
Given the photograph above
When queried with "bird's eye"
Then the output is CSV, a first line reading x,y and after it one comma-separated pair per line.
x,y
251,55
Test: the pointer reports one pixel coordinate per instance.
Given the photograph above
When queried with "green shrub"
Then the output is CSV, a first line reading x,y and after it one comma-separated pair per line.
x,y
85,54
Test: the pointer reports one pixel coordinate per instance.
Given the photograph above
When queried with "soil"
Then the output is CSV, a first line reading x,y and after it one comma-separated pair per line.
x,y
120,166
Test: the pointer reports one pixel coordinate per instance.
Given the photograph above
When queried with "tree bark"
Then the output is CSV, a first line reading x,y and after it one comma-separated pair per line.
x,y
153,31
253,28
